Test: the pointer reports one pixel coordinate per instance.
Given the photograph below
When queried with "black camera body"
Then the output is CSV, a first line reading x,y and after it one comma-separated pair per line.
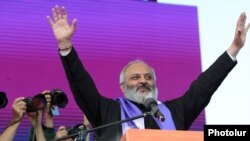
x,y
76,129
35,103
3,100
39,102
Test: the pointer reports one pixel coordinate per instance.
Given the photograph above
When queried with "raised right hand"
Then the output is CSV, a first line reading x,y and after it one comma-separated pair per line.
x,y
60,26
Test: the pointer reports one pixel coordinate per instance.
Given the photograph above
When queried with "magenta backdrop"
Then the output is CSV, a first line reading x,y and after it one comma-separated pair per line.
x,y
109,34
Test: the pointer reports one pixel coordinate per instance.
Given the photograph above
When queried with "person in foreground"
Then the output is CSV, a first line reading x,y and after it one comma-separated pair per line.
x,y
48,126
19,109
63,131
138,83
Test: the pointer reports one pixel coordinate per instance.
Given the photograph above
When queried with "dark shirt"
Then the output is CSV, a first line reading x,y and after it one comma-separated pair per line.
x,y
49,133
101,110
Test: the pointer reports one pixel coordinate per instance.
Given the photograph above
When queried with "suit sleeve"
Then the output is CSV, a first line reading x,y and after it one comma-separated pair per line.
x,y
84,90
186,108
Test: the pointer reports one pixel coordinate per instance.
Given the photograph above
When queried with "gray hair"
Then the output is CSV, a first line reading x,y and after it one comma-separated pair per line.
x,y
122,74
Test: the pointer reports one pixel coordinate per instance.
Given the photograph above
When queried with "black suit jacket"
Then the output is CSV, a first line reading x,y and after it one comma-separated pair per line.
x,y
101,110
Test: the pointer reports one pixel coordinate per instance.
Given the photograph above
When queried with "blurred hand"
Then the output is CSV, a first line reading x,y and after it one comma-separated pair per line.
x,y
240,35
18,108
61,132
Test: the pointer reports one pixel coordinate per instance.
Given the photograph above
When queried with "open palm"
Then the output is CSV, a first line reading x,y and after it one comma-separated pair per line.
x,y
60,26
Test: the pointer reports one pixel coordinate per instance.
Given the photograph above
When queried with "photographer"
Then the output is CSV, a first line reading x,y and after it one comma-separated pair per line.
x,y
61,132
48,127
64,131
44,102
19,108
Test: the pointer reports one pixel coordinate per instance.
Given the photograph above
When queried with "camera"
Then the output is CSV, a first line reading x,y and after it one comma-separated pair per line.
x,y
58,98
76,129
3,100
38,102
35,103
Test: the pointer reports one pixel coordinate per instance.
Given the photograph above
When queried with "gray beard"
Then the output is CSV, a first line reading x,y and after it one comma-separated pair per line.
x,y
131,94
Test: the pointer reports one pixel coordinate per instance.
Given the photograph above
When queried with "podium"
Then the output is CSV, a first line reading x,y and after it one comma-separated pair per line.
x,y
162,135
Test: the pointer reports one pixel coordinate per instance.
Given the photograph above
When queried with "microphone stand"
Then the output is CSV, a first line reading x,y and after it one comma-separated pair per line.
x,y
84,131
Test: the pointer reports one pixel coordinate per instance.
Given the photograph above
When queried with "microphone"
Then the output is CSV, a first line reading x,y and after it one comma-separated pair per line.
x,y
151,104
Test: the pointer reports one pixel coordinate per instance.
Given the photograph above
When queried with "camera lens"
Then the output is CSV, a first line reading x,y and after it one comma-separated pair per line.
x,y
58,98
3,100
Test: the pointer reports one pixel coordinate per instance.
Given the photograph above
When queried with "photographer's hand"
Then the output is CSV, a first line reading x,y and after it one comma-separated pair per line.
x,y
18,110
61,132
38,126
47,112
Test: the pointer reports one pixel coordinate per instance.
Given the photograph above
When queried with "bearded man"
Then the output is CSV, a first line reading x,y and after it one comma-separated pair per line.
x,y
138,82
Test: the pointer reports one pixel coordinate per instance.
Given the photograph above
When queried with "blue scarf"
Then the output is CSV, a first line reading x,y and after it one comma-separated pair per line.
x,y
129,110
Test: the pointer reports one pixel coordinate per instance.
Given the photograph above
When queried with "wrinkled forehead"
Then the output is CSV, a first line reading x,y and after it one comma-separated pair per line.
x,y
138,68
